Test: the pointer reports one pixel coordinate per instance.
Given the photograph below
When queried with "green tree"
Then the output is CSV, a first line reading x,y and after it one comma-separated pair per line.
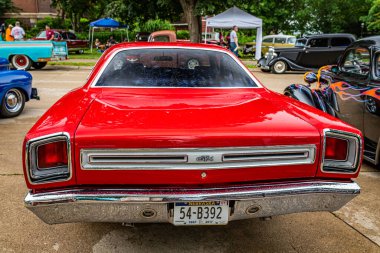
x,y
373,17
329,16
7,6
74,10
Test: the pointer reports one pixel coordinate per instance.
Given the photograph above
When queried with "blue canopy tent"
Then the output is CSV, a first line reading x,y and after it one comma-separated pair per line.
x,y
105,23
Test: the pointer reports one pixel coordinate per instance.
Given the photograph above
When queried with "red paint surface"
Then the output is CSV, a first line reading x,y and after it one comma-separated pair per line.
x,y
183,118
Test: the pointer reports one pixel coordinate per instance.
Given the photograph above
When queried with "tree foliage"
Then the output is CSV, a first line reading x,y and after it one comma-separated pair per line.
x,y
287,16
373,17
74,9
7,6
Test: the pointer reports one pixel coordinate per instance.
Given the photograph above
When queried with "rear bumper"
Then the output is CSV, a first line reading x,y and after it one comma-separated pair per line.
x,y
127,205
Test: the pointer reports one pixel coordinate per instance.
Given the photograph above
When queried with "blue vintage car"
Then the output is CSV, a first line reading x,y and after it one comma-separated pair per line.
x,y
26,54
15,90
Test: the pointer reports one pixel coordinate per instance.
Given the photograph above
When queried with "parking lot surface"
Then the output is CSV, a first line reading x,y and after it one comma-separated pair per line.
x,y
354,228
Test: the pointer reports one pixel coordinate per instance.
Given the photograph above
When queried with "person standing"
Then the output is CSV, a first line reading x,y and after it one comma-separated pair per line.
x,y
49,33
8,36
2,30
17,32
234,45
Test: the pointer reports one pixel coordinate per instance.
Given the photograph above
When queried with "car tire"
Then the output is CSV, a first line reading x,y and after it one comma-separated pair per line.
x,y
265,70
279,67
39,65
192,63
21,62
12,104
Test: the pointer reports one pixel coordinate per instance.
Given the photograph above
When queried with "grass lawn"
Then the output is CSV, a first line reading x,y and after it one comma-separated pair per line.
x,y
86,55
67,63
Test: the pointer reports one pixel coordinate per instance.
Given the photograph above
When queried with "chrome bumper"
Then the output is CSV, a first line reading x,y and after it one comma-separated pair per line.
x,y
246,201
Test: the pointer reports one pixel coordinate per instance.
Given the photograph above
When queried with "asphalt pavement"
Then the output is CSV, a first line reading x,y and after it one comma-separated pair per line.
x,y
354,228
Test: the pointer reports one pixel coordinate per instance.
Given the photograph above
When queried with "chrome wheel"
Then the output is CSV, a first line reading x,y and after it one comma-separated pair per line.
x,y
192,63
14,100
21,61
279,67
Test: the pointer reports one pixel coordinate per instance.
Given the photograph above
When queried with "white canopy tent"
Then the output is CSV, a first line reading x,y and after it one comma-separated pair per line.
x,y
242,19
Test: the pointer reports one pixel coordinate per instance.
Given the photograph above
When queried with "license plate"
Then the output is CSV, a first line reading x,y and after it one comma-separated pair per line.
x,y
201,213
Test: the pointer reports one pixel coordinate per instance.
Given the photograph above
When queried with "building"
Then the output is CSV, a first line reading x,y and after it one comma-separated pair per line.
x,y
31,11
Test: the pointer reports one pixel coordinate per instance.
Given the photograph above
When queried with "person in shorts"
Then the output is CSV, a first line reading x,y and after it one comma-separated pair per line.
x,y
234,45
17,32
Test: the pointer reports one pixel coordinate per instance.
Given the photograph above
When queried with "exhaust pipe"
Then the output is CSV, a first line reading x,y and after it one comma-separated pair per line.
x,y
148,213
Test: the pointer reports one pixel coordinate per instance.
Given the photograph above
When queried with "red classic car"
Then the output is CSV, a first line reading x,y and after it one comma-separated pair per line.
x,y
148,139
73,43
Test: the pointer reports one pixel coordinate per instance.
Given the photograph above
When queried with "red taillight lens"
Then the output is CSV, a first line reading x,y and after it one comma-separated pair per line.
x,y
336,149
52,155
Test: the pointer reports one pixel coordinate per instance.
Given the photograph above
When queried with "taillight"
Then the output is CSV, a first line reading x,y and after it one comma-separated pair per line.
x,y
341,152
52,155
336,149
48,158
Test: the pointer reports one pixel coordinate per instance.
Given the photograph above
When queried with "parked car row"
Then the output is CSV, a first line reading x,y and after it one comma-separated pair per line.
x,y
349,91
73,43
310,52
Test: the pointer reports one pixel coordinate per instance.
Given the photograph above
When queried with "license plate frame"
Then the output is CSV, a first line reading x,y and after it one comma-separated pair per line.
x,y
193,213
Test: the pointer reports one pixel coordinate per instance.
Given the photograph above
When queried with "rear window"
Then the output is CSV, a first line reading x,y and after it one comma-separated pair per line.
x,y
164,67
291,40
280,40
268,40
320,42
301,42
340,42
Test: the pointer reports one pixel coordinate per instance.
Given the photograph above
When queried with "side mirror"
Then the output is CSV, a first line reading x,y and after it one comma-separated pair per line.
x,y
335,69
310,77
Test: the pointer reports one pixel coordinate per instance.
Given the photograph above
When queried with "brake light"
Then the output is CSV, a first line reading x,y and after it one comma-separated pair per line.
x,y
336,149
52,155
48,158
341,152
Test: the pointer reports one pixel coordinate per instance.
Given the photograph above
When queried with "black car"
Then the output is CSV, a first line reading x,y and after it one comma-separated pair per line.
x,y
310,52
350,91
142,36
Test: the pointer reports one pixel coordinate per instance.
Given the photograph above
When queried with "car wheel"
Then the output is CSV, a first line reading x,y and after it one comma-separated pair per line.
x,y
279,67
39,65
20,61
12,103
192,63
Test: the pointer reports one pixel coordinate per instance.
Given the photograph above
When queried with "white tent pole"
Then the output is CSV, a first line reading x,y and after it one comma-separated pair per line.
x,y
206,33
259,35
92,37
89,33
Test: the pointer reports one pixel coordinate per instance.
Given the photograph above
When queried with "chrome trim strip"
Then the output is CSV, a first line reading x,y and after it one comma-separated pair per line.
x,y
105,64
30,146
353,157
197,158
125,205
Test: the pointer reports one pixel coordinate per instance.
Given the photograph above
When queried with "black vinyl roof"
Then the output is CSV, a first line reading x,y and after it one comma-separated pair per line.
x,y
330,35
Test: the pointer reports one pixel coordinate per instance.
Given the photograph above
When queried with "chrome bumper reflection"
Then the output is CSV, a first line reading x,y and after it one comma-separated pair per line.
x,y
129,205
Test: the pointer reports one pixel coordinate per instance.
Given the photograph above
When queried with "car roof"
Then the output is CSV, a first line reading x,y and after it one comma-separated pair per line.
x,y
329,35
373,40
126,45
278,35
